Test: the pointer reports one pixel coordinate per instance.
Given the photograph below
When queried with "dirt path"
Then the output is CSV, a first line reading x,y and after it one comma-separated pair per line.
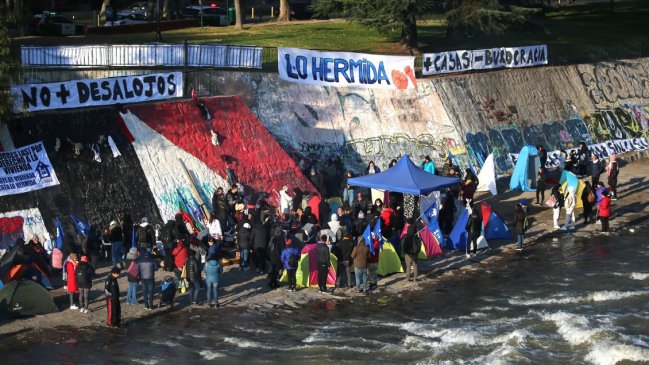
x,y
249,290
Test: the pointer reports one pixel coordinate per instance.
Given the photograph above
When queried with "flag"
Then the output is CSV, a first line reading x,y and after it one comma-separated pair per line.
x,y
452,158
430,217
81,226
197,208
377,232
59,233
367,235
186,213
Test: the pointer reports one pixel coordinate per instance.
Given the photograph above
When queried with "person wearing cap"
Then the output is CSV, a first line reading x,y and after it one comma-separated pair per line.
x,y
84,274
133,281
145,236
285,201
116,238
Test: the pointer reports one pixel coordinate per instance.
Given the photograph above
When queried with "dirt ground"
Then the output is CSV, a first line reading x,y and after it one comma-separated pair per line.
x,y
249,290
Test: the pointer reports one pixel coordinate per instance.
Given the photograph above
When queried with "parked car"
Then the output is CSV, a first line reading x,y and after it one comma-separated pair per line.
x,y
212,15
139,8
131,19
52,23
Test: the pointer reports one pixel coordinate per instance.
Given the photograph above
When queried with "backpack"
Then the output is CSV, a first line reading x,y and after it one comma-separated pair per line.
x,y
145,237
591,197
166,233
293,260
82,274
133,270
57,258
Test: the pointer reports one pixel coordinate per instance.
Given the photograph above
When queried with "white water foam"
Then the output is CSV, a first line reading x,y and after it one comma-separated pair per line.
x,y
610,353
598,296
210,355
146,361
639,276
165,343
573,328
243,343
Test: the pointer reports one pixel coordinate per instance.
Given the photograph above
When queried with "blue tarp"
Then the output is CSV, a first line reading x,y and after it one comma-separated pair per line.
x,y
459,234
404,177
520,176
496,229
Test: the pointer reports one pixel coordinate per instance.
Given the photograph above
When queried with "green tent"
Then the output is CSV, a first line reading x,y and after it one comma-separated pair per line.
x,y
389,262
25,298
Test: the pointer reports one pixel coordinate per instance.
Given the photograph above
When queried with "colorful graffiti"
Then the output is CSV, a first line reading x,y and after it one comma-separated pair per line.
x,y
615,123
21,224
610,84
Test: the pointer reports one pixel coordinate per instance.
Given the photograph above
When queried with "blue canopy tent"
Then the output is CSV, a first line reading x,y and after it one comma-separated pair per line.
x,y
524,174
404,177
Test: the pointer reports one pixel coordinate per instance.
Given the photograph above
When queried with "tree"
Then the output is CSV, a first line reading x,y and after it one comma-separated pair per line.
x,y
383,15
237,11
283,11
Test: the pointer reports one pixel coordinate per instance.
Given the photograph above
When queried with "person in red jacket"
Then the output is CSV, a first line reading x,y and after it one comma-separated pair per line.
x,y
605,210
70,268
180,255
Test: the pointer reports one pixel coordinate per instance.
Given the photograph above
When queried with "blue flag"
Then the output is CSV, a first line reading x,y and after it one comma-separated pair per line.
x,y
81,226
430,217
377,232
197,207
59,233
367,235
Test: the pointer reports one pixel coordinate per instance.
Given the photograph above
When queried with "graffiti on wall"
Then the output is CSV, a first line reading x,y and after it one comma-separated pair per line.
x,y
21,224
556,135
609,84
615,123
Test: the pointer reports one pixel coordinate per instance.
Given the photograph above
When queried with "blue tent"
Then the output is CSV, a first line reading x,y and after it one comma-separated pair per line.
x,y
493,226
525,170
458,236
404,177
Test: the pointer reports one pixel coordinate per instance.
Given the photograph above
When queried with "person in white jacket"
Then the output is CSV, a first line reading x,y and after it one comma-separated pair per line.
x,y
570,204
285,201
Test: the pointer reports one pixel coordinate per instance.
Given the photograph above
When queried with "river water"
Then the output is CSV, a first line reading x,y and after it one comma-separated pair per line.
x,y
570,301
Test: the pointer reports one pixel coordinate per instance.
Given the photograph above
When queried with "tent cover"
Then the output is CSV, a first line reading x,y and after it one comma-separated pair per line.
x,y
493,226
570,180
25,298
306,275
404,177
487,176
524,171
389,262
430,247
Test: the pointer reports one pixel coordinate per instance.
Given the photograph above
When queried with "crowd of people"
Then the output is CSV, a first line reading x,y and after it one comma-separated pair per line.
x,y
270,239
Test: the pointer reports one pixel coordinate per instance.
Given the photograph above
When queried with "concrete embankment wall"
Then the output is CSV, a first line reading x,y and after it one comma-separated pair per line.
x,y
468,115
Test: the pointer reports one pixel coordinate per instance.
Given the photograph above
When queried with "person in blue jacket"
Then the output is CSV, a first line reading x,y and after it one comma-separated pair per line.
x,y
213,270
428,165
290,258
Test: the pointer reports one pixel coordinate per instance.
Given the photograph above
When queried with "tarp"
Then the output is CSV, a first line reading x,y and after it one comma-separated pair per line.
x,y
493,225
334,204
430,246
389,262
25,298
487,176
314,202
568,179
404,177
522,171
457,238
306,275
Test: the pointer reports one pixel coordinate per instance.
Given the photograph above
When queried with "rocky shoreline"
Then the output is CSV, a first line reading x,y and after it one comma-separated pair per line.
x,y
249,290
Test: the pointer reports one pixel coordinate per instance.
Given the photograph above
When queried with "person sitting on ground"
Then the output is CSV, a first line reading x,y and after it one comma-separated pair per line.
x,y
360,255
605,210
324,261
290,258
111,289
520,226
84,274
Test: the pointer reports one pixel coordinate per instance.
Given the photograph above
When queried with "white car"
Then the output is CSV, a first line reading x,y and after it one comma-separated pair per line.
x,y
130,19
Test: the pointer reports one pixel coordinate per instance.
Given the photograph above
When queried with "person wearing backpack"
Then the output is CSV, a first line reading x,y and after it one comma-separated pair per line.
x,y
147,269
193,277
411,248
290,259
84,274
587,200
343,251
168,238
132,276
145,236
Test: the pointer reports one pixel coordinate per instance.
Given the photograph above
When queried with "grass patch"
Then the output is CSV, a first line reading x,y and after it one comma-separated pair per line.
x,y
575,33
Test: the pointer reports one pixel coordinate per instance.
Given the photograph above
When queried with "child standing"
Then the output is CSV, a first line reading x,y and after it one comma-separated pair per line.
x,y
70,271
290,258
605,210
111,289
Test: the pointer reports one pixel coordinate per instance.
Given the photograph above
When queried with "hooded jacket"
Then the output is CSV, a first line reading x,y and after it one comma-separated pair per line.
x,y
147,267
212,270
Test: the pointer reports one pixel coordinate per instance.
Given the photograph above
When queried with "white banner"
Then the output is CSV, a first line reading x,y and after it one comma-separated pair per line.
x,y
346,69
96,92
26,169
484,59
